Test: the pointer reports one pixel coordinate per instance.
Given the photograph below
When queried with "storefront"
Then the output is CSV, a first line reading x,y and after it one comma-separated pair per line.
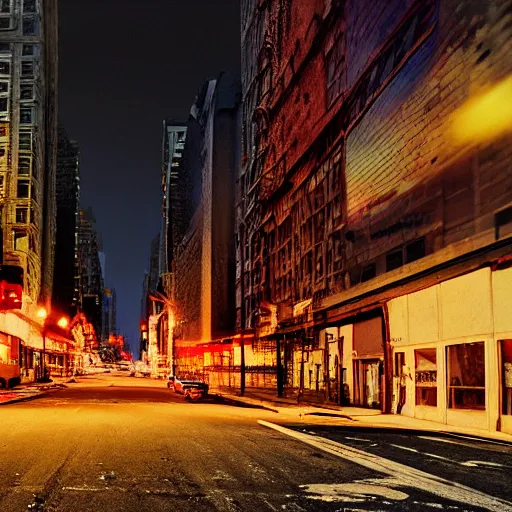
x,y
453,351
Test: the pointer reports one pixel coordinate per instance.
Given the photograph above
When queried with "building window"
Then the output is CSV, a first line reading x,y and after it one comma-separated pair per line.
x,y
25,141
20,240
506,365
334,63
29,6
394,260
426,376
22,215
415,250
28,49
466,376
4,105
369,272
27,91
30,26
24,165
5,6
5,48
4,87
27,69
5,67
26,115
5,23
23,191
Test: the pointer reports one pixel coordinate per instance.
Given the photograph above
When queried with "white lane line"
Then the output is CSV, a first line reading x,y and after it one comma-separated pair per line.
x,y
439,439
358,439
476,439
409,476
433,455
476,463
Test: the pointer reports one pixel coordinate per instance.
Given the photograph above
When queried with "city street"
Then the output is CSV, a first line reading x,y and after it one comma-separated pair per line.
x,y
115,443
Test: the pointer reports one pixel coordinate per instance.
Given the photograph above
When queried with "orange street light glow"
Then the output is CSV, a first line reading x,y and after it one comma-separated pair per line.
x,y
63,323
41,313
486,116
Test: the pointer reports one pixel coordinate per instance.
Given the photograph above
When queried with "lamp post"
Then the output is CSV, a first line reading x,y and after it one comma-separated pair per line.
x,y
63,323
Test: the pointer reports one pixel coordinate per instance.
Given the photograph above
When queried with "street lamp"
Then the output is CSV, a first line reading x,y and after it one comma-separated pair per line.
x,y
43,315
63,323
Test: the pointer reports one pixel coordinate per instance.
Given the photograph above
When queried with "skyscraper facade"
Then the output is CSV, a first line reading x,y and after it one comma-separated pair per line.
x,y
89,270
28,140
65,286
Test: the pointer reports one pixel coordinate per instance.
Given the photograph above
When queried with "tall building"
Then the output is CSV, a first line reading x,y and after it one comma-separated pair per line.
x,y
109,313
374,220
205,266
90,271
174,193
28,140
65,289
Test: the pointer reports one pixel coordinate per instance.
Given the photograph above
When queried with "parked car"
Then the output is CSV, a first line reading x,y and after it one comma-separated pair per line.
x,y
182,386
142,369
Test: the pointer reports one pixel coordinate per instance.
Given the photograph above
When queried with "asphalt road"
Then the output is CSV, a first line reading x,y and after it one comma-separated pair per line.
x,y
112,443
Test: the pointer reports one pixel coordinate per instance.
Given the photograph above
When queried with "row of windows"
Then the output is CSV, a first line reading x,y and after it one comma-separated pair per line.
x,y
7,6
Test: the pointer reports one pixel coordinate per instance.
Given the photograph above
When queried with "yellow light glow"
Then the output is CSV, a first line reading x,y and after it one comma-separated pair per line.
x,y
41,313
486,116
63,322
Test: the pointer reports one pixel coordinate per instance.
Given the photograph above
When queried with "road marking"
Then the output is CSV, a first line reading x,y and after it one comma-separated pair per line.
x,y
433,455
358,439
360,491
440,440
407,475
477,439
476,463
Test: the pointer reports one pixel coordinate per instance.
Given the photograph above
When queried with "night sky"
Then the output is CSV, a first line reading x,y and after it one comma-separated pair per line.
x,y
125,65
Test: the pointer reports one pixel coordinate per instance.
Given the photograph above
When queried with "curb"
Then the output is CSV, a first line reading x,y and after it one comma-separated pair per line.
x,y
24,399
239,401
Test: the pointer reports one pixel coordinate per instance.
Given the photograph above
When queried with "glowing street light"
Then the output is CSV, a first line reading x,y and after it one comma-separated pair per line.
x,y
42,313
63,322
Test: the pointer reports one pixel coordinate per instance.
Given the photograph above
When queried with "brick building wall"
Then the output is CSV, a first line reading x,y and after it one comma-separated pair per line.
x,y
348,154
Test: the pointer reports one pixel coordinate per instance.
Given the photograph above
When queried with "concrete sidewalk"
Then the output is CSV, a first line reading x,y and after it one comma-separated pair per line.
x,y
31,390
357,417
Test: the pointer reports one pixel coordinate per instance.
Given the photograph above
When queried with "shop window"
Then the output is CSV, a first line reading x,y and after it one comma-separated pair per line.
x,y
415,250
426,376
394,260
27,91
27,69
23,191
506,368
21,215
466,376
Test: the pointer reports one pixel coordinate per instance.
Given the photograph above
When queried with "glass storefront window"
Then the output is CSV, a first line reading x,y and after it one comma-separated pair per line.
x,y
466,376
506,368
426,376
